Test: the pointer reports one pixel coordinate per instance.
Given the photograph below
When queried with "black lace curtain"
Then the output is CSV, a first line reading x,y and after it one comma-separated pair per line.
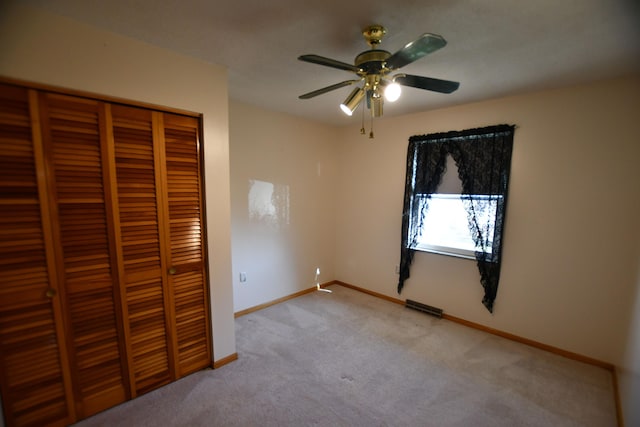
x,y
483,158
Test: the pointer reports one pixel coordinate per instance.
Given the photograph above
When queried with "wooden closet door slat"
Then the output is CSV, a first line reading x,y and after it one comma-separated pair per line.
x,y
34,383
186,240
73,133
142,256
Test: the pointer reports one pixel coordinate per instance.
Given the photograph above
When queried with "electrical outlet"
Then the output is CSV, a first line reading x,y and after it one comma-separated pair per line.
x,y
243,277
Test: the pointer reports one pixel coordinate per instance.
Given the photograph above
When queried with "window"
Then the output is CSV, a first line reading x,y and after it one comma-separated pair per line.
x,y
434,220
445,228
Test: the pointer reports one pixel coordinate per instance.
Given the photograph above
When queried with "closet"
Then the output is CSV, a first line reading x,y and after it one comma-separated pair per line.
x,y
103,280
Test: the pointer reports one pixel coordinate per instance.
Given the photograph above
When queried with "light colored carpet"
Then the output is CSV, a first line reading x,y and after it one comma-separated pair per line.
x,y
350,359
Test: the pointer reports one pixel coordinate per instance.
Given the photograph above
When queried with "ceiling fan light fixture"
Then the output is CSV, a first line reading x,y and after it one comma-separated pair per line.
x,y
353,100
376,106
373,68
392,92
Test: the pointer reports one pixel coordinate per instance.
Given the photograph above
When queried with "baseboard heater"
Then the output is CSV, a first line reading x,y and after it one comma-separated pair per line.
x,y
434,311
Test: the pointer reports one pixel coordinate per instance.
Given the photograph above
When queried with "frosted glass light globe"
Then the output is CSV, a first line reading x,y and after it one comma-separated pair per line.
x,y
392,92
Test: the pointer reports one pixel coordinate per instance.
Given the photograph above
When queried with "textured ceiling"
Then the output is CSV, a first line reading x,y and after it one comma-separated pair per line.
x,y
495,48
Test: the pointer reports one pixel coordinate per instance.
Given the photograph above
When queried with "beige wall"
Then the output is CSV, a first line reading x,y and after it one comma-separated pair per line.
x,y
45,48
282,203
571,233
570,271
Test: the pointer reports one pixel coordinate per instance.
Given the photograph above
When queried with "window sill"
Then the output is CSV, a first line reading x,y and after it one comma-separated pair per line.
x,y
448,251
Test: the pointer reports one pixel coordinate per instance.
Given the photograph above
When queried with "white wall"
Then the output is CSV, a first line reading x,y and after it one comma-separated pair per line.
x,y
45,48
282,203
571,233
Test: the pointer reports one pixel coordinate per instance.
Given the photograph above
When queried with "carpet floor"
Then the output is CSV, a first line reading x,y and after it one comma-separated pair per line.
x,y
350,359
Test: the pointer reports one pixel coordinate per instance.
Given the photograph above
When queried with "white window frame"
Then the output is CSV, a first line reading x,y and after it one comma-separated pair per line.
x,y
450,250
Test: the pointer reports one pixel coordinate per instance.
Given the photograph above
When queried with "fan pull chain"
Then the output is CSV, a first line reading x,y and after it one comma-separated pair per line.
x,y
362,131
371,132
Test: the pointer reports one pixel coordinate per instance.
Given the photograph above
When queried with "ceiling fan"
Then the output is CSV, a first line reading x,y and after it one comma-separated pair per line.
x,y
373,67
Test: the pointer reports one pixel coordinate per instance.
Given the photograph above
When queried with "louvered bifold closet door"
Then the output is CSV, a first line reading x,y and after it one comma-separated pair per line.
x,y
142,256
79,185
186,242
35,384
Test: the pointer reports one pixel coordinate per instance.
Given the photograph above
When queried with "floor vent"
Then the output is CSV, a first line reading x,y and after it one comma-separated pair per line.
x,y
434,311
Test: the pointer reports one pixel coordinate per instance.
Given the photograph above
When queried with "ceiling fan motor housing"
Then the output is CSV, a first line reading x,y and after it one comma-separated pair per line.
x,y
372,61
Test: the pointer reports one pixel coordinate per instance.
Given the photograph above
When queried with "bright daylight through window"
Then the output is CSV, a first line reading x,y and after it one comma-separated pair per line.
x,y
446,224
